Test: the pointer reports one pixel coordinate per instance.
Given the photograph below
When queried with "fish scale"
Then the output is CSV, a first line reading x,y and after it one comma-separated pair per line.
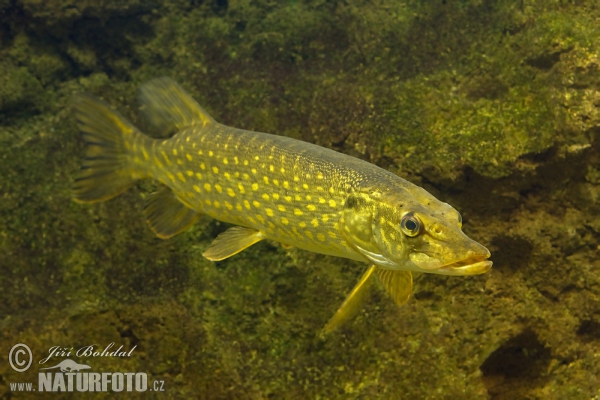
x,y
272,187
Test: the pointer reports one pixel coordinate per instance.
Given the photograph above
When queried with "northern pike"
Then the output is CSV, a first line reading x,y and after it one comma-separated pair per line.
x,y
271,187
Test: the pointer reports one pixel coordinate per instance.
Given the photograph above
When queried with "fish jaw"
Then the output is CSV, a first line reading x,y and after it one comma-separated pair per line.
x,y
474,268
474,263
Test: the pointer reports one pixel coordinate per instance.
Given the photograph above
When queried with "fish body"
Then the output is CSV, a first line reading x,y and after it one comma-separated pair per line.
x,y
271,187
293,192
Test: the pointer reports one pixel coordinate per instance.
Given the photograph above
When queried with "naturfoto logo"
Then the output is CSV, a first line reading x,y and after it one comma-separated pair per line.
x,y
67,375
70,379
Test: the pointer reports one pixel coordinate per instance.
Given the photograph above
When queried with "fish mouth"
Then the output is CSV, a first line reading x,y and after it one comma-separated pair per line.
x,y
469,266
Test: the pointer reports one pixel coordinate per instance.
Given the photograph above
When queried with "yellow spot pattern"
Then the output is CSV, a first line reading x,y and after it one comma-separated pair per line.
x,y
294,204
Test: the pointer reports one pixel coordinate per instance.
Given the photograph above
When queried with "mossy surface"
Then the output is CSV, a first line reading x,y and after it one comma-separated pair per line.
x,y
491,106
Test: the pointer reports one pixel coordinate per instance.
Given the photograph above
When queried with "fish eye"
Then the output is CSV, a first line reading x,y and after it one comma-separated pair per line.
x,y
410,225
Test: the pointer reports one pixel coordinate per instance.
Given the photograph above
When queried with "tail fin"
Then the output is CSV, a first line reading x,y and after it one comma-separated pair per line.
x,y
106,170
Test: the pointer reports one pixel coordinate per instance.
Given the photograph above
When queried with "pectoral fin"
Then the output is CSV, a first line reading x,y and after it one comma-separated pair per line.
x,y
167,215
352,304
398,284
231,242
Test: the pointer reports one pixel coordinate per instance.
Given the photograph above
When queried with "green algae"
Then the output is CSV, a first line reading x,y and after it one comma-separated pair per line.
x,y
492,106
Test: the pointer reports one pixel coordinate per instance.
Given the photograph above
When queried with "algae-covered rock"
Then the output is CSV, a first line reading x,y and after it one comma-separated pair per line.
x,y
18,89
54,11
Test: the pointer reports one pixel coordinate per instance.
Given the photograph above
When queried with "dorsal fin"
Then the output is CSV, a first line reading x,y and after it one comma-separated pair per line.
x,y
168,107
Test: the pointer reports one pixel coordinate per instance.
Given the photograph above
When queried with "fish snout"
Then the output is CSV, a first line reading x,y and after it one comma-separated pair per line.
x,y
473,261
477,251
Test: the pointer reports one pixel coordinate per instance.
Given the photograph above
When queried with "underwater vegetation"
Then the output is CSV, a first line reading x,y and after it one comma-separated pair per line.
x,y
492,106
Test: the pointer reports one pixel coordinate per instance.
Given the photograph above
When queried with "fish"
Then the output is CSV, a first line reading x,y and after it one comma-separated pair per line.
x,y
271,187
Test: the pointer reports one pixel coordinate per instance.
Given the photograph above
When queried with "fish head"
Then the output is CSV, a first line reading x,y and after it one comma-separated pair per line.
x,y
411,230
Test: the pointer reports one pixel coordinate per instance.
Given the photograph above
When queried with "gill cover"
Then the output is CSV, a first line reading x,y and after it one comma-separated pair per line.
x,y
360,227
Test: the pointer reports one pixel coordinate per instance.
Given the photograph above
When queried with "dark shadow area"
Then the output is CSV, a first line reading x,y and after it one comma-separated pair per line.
x,y
589,331
511,253
516,368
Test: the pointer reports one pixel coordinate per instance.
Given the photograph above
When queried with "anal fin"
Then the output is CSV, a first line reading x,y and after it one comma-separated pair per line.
x,y
352,304
398,284
231,242
167,215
